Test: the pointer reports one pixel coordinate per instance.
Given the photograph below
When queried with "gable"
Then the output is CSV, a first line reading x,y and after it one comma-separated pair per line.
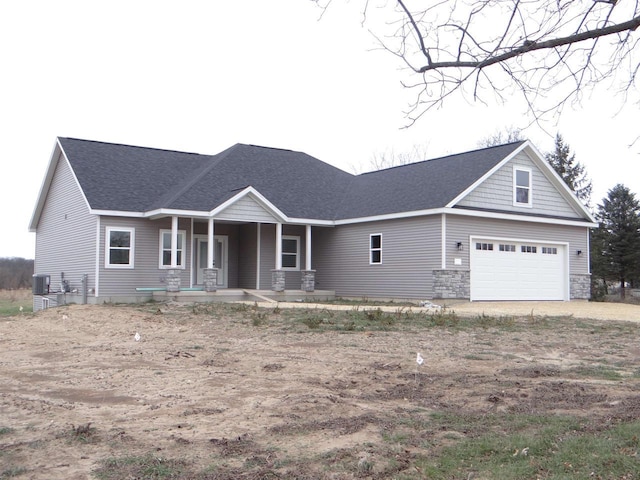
x,y
247,209
496,192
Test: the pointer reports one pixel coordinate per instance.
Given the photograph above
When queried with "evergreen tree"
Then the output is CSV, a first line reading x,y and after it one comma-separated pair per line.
x,y
572,172
617,241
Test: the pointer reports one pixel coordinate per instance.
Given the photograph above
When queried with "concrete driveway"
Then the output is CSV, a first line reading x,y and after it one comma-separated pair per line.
x,y
577,308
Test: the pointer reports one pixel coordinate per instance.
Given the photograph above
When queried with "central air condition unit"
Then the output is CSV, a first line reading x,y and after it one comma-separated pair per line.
x,y
41,284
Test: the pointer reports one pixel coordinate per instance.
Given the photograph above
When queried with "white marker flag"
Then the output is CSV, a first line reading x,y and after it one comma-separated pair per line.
x,y
419,359
137,337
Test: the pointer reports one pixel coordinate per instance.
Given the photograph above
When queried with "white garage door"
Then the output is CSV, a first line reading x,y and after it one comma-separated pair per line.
x,y
510,270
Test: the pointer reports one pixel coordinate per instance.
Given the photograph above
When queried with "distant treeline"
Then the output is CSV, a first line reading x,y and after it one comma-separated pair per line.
x,y
15,273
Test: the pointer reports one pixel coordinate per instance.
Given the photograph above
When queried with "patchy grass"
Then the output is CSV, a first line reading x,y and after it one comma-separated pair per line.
x,y
12,300
147,467
547,447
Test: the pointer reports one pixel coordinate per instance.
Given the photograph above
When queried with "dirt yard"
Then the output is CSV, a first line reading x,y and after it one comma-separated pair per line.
x,y
234,392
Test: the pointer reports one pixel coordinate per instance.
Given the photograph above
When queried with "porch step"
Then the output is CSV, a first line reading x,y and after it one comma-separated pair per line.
x,y
261,297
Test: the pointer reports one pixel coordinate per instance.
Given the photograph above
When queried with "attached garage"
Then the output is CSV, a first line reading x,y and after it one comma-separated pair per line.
x,y
503,269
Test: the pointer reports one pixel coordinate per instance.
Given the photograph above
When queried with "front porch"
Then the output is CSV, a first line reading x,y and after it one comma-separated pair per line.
x,y
239,294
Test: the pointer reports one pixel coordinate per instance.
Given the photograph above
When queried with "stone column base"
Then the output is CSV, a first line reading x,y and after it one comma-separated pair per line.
x,y
173,281
451,284
308,280
210,279
277,280
580,286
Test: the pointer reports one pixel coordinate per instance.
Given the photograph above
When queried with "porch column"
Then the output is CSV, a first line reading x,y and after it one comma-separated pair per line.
x,y
308,276
278,246
210,274
173,275
174,242
258,241
277,275
210,245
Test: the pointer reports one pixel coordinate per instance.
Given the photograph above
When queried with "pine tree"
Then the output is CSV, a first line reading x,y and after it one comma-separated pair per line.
x,y
572,172
618,237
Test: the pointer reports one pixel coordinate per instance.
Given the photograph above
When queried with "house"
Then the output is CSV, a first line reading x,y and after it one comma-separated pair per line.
x,y
123,223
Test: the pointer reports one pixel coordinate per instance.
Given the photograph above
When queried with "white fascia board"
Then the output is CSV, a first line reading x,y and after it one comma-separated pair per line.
x,y
311,221
44,186
392,216
171,212
469,213
261,199
522,218
116,213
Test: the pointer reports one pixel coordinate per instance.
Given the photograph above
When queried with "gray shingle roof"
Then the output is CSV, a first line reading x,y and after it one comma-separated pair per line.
x,y
420,186
136,179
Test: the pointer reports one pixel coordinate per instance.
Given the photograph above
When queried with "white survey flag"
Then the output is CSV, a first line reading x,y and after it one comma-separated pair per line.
x,y
419,359
137,337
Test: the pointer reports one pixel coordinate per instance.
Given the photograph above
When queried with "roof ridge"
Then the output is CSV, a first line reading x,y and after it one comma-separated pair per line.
x,y
117,144
173,195
444,157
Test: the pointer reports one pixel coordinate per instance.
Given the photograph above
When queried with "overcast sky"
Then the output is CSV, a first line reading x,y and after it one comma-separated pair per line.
x,y
200,76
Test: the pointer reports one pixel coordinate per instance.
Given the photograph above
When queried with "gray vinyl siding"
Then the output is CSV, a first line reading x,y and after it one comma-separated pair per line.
x,y
267,254
459,228
246,209
410,252
147,273
247,256
496,193
66,232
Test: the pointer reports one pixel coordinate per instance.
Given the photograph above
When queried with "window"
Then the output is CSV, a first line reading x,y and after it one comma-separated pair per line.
x,y
550,250
165,248
521,186
507,248
484,246
375,249
290,253
120,244
528,249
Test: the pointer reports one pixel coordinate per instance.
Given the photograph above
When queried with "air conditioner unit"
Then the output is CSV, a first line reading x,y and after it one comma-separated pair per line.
x,y
41,284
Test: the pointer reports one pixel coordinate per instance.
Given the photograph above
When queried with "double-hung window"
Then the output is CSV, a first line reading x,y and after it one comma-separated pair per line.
x,y
521,186
375,249
290,252
120,246
165,248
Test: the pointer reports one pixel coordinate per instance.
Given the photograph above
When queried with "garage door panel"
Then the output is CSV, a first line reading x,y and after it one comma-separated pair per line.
x,y
524,274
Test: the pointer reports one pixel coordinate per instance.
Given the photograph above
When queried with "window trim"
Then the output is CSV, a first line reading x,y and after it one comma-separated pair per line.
x,y
182,264
107,247
529,188
372,249
297,254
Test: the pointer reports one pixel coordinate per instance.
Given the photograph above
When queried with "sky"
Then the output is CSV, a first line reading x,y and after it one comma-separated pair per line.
x,y
200,76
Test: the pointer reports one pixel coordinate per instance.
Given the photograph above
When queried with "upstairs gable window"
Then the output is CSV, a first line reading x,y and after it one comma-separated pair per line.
x,y
521,187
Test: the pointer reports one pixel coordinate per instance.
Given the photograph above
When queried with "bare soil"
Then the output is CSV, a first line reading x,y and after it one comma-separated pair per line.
x,y
247,394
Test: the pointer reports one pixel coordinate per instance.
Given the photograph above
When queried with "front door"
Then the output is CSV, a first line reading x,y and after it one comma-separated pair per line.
x,y
221,258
